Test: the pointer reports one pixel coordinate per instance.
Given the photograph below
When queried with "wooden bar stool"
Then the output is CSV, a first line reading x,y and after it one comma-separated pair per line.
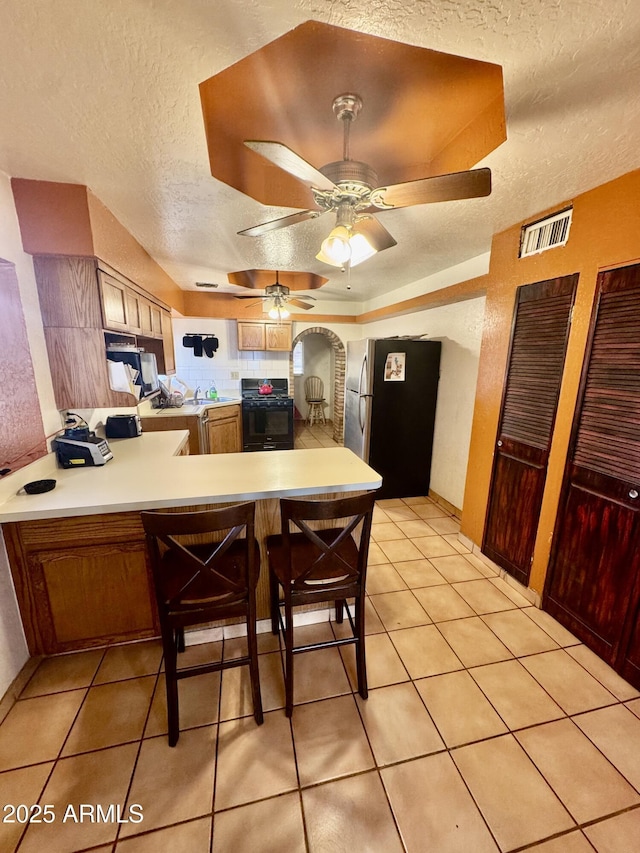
x,y
314,395
312,566
199,582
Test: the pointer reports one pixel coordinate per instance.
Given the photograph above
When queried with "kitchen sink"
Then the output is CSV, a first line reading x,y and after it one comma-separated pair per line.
x,y
203,401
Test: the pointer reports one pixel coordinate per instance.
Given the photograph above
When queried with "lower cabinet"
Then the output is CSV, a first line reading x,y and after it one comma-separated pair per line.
x,y
161,423
222,428
82,582
217,430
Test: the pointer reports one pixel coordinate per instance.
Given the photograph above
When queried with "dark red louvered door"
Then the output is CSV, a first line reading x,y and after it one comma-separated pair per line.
x,y
592,585
536,360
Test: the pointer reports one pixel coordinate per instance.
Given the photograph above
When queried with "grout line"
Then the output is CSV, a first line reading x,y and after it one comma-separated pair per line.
x,y
353,692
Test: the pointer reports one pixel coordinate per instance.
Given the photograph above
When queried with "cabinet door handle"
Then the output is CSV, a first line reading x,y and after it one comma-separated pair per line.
x,y
499,443
633,493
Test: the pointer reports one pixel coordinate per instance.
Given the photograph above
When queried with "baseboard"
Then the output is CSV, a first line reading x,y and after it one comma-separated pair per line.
x,y
17,686
445,504
526,591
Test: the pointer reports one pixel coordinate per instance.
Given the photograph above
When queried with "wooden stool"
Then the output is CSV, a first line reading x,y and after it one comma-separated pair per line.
x,y
197,584
314,395
316,412
327,565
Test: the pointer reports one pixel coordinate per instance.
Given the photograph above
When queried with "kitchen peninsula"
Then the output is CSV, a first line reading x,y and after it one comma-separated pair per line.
x,y
78,555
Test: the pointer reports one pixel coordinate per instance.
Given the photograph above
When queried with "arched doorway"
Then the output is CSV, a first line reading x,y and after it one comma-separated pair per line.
x,y
338,377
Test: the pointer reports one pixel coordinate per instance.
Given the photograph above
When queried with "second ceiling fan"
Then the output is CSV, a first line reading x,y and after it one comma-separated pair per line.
x,y
277,296
350,189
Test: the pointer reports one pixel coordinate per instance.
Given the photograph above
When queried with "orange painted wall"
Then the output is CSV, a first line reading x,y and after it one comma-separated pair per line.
x,y
605,232
53,217
67,219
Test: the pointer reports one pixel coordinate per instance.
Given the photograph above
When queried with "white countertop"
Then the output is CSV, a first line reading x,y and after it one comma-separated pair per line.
x,y
145,473
145,409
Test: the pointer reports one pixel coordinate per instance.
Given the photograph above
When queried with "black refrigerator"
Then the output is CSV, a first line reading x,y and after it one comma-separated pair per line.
x,y
391,391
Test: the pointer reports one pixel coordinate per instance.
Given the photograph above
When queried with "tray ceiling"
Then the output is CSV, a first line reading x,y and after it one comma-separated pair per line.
x,y
110,98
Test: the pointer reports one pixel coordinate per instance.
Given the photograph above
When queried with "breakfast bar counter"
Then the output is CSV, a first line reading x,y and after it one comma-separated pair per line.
x,y
78,554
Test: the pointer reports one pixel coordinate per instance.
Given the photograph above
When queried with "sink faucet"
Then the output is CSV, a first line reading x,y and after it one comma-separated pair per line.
x,y
196,393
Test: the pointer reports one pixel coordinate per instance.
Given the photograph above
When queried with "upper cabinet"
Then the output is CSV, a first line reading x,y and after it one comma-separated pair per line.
x,y
114,303
260,335
251,336
79,301
278,336
167,342
125,308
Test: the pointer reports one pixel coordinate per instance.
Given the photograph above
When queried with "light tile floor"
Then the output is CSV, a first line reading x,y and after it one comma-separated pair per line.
x,y
318,435
488,727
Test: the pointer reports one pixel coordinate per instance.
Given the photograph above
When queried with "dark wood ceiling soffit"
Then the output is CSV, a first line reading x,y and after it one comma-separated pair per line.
x,y
259,279
425,112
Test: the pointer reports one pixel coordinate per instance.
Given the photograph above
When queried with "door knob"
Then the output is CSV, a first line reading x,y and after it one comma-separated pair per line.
x,y
633,493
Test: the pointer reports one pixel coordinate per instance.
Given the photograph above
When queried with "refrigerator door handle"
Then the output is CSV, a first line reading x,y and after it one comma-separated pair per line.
x,y
363,370
362,421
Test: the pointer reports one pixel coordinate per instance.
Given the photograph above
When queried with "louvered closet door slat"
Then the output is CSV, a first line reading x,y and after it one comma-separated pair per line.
x,y
608,439
535,370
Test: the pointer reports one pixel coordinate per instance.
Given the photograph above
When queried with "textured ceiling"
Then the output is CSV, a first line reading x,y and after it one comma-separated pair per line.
x,y
106,94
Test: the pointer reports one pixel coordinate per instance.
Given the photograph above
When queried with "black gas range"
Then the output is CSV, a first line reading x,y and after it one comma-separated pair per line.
x,y
267,414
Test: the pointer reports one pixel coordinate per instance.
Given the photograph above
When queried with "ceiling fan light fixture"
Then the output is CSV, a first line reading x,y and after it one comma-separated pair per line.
x,y
336,248
344,246
361,249
278,312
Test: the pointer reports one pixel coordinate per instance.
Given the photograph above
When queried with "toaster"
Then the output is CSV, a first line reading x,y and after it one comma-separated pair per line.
x,y
123,426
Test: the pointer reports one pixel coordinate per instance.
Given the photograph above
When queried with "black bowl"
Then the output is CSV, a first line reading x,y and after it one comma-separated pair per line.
x,y
37,487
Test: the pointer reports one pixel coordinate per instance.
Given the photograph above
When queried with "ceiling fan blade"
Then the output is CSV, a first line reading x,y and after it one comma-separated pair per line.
x,y
457,185
287,160
253,296
299,303
283,222
376,234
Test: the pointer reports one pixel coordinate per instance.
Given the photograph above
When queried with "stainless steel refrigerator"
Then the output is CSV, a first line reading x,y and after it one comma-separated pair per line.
x,y
391,391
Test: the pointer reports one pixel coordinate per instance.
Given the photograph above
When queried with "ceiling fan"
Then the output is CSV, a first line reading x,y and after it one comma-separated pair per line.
x,y
277,296
349,188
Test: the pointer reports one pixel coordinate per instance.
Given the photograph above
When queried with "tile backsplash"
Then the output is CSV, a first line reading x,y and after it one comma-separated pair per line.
x,y
228,365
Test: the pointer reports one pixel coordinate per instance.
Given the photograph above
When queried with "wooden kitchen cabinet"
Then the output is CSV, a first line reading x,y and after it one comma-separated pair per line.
x,y
217,430
126,309
258,335
78,301
79,370
133,304
278,336
68,292
156,321
151,317
114,302
222,428
167,342
160,423
251,336
82,582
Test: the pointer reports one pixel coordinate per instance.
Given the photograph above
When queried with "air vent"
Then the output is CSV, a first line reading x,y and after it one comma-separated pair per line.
x,y
546,233
205,284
